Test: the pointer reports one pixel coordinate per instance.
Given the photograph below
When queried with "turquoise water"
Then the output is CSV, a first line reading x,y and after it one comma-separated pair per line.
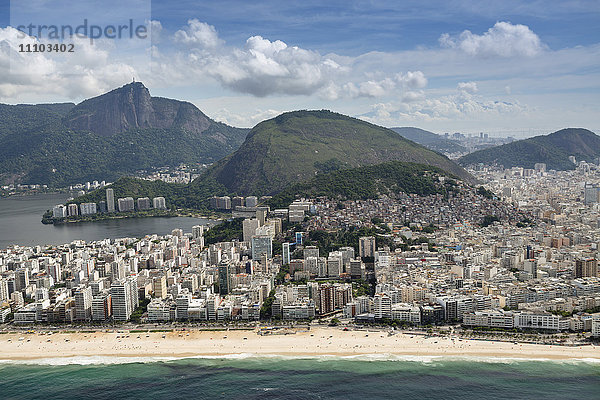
x,y
313,378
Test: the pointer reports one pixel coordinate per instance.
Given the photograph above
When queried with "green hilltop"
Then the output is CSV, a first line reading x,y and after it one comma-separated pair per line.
x,y
296,146
553,150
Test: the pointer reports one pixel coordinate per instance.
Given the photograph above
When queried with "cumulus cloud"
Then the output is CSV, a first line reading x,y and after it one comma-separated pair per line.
x,y
198,34
502,40
156,29
264,67
86,72
467,87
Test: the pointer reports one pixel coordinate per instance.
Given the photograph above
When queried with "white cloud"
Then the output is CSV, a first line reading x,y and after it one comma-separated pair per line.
x,y
502,40
85,72
247,118
156,29
263,68
467,87
198,34
461,106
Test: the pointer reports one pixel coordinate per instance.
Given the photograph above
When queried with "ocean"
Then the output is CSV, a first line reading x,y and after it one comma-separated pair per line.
x,y
255,377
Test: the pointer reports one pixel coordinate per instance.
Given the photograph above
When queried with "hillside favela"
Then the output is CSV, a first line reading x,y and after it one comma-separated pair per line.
x,y
359,200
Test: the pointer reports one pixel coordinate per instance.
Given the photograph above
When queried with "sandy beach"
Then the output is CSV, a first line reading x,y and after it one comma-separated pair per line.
x,y
318,341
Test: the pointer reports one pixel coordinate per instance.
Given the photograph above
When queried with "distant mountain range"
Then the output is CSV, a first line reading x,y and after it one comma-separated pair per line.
x,y
430,140
105,137
553,150
295,146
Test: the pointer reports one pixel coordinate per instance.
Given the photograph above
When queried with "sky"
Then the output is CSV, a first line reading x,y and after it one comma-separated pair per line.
x,y
504,68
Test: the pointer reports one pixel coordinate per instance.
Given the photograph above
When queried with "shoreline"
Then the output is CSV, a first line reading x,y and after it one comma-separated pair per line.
x,y
167,214
318,342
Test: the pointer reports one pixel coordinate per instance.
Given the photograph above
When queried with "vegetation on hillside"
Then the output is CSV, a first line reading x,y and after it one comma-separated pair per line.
x,y
295,146
62,144
369,182
553,150
225,232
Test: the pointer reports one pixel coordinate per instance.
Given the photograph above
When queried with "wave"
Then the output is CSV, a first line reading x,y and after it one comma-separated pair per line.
x,y
111,360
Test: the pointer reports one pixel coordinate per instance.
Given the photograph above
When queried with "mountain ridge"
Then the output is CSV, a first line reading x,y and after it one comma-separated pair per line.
x,y
552,149
107,136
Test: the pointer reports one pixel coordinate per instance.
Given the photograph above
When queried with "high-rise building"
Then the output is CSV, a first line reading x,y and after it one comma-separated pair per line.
x,y
586,267
88,208
159,286
286,258
72,210
311,251
249,227
59,211
382,306
237,201
159,202
110,200
366,246
83,304
4,294
126,204
334,266
326,299
261,216
124,298
144,203
251,201
21,279
262,245
182,302
357,269
101,306
225,274
197,231
528,266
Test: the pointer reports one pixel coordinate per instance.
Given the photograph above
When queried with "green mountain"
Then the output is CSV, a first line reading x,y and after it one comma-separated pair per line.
x,y
296,146
24,117
370,182
430,140
553,149
108,136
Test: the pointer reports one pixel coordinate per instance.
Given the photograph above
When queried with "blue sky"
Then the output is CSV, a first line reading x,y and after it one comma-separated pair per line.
x,y
509,67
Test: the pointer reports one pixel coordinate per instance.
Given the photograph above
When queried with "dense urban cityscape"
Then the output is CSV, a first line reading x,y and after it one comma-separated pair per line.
x,y
299,200
532,267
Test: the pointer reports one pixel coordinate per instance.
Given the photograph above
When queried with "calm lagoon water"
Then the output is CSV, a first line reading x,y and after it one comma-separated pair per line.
x,y
20,224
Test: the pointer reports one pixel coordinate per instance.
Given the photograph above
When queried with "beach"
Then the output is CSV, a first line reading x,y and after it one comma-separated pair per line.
x,y
315,342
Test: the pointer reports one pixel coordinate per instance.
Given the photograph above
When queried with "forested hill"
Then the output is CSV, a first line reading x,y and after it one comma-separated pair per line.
x,y
553,150
108,136
295,146
370,182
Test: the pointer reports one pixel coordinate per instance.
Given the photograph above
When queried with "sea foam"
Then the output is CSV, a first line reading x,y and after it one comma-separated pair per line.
x,y
109,360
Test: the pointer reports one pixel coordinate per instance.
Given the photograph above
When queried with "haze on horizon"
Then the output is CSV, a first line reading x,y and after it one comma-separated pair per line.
x,y
504,69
